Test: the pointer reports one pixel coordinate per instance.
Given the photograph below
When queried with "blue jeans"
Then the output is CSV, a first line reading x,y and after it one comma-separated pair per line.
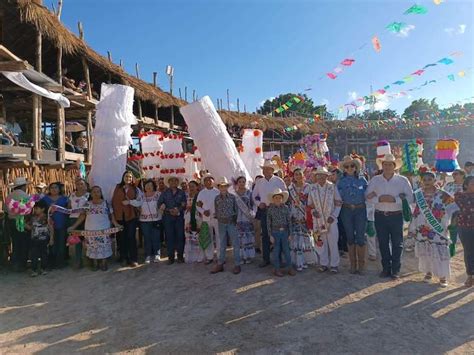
x,y
281,245
151,238
174,233
390,231
231,230
355,224
58,250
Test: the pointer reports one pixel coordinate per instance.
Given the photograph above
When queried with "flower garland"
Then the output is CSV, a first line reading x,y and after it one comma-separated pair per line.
x,y
21,208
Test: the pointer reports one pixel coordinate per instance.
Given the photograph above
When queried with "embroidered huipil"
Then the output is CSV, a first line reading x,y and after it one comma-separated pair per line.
x,y
465,201
77,202
149,211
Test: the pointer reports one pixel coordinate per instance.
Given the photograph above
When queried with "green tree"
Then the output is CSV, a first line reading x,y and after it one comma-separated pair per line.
x,y
421,108
305,108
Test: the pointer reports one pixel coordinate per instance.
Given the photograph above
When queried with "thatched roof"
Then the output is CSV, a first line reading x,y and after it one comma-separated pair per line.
x,y
51,28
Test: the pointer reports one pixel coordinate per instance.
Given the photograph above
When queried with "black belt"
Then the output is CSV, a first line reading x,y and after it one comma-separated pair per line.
x,y
353,207
389,213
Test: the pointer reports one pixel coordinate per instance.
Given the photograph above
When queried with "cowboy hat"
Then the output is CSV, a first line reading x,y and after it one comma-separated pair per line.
x,y
279,191
270,164
349,160
222,181
389,158
41,185
19,181
207,175
168,178
321,170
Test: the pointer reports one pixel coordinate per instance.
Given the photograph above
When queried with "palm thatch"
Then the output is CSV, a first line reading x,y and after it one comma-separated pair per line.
x,y
51,28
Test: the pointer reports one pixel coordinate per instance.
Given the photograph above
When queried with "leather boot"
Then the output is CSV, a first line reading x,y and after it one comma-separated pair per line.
x,y
360,250
352,259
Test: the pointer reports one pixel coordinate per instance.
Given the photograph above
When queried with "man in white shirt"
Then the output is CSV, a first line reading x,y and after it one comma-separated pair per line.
x,y
263,188
386,191
205,206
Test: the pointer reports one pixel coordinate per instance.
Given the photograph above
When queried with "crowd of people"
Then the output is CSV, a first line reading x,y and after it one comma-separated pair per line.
x,y
295,221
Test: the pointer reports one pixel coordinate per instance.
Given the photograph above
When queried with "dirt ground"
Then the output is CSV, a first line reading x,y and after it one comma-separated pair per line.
x,y
184,309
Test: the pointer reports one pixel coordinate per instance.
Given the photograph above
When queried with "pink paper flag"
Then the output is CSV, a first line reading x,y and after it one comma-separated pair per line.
x,y
418,72
381,91
331,76
348,62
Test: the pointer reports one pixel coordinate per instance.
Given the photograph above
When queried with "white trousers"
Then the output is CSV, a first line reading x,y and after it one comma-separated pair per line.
x,y
329,255
214,235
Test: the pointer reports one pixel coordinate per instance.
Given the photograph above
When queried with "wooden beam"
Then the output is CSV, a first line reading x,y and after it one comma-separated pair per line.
x,y
14,65
89,137
36,128
85,67
61,132
38,52
5,53
137,73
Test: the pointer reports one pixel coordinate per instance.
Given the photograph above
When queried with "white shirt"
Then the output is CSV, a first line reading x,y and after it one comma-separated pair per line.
x,y
78,202
207,197
394,187
264,187
149,211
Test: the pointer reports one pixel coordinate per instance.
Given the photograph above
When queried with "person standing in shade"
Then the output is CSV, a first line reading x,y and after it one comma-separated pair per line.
x,y
263,188
205,206
226,210
352,188
465,201
78,199
387,191
149,217
325,201
126,201
172,203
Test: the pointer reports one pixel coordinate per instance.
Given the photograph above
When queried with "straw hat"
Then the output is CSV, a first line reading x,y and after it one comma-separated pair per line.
x,y
389,158
41,185
321,170
222,182
270,164
279,192
19,181
168,178
349,160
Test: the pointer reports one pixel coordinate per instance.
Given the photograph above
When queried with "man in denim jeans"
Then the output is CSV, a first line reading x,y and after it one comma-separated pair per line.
x,y
225,206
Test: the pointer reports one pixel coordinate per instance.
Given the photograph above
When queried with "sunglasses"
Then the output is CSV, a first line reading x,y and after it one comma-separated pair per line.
x,y
349,166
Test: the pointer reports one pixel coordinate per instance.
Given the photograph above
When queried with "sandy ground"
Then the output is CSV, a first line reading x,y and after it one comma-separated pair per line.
x,y
184,309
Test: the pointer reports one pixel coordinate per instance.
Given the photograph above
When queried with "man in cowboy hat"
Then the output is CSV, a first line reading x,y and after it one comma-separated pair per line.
x,y
325,200
20,239
260,193
172,203
205,206
226,211
386,191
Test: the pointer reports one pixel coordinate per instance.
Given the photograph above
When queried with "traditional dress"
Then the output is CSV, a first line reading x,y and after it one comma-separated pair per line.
x,y
302,247
327,203
192,224
98,218
452,188
245,226
431,218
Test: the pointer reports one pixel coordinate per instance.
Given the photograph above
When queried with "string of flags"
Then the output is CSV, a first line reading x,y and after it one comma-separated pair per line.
x,y
287,105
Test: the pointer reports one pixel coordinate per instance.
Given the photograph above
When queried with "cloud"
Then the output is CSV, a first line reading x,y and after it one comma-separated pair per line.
x,y
382,103
325,102
406,31
459,30
352,95
231,105
269,99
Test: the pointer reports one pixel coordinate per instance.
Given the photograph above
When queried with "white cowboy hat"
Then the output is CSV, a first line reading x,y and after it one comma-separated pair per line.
x,y
222,181
390,158
270,164
168,178
41,185
279,192
19,181
321,170
348,160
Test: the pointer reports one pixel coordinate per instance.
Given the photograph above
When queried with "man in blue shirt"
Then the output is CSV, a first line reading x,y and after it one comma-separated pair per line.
x,y
173,203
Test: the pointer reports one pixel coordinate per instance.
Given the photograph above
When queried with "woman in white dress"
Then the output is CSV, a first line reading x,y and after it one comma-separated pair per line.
x,y
98,217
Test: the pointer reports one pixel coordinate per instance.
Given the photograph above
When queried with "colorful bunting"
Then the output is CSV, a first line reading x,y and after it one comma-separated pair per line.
x,y
348,62
408,79
416,10
386,87
438,2
338,70
462,73
451,77
331,76
294,100
399,82
429,65
376,44
396,27
418,72
446,61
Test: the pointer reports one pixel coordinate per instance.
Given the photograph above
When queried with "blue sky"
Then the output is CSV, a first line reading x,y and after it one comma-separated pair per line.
x,y
259,49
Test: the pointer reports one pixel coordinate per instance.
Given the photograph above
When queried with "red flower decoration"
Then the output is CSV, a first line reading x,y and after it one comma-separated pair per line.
x,y
146,154
145,168
258,150
240,148
171,156
256,133
157,166
195,148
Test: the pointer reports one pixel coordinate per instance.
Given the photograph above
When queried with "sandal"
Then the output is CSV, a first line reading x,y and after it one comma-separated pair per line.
x,y
443,283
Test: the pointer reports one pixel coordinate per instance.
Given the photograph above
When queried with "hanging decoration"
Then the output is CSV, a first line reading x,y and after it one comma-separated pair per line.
x,y
376,44
252,154
294,100
21,208
396,27
348,62
412,156
317,150
416,10
447,151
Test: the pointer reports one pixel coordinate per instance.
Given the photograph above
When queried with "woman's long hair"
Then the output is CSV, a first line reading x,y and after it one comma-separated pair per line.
x,y
101,193
122,183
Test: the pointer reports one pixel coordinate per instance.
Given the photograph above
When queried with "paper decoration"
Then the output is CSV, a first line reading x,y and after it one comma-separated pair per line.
x,y
446,61
252,153
437,2
112,136
462,73
447,151
418,72
429,65
337,70
412,156
408,79
398,82
451,77
289,103
218,151
317,150
348,62
193,164
331,76
416,10
396,27
376,44
172,157
383,148
152,147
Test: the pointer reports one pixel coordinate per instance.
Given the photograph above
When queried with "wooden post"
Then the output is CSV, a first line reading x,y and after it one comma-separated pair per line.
x,y
89,137
36,128
85,67
186,93
121,63
60,9
194,95
109,76
245,108
137,73
238,105
156,107
61,131
228,101
180,94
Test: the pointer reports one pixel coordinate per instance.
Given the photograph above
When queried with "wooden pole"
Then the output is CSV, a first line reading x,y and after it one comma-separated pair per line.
x,y
156,107
180,94
85,66
238,105
121,63
186,93
228,101
37,103
89,137
194,95
245,108
60,9
137,73
61,131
